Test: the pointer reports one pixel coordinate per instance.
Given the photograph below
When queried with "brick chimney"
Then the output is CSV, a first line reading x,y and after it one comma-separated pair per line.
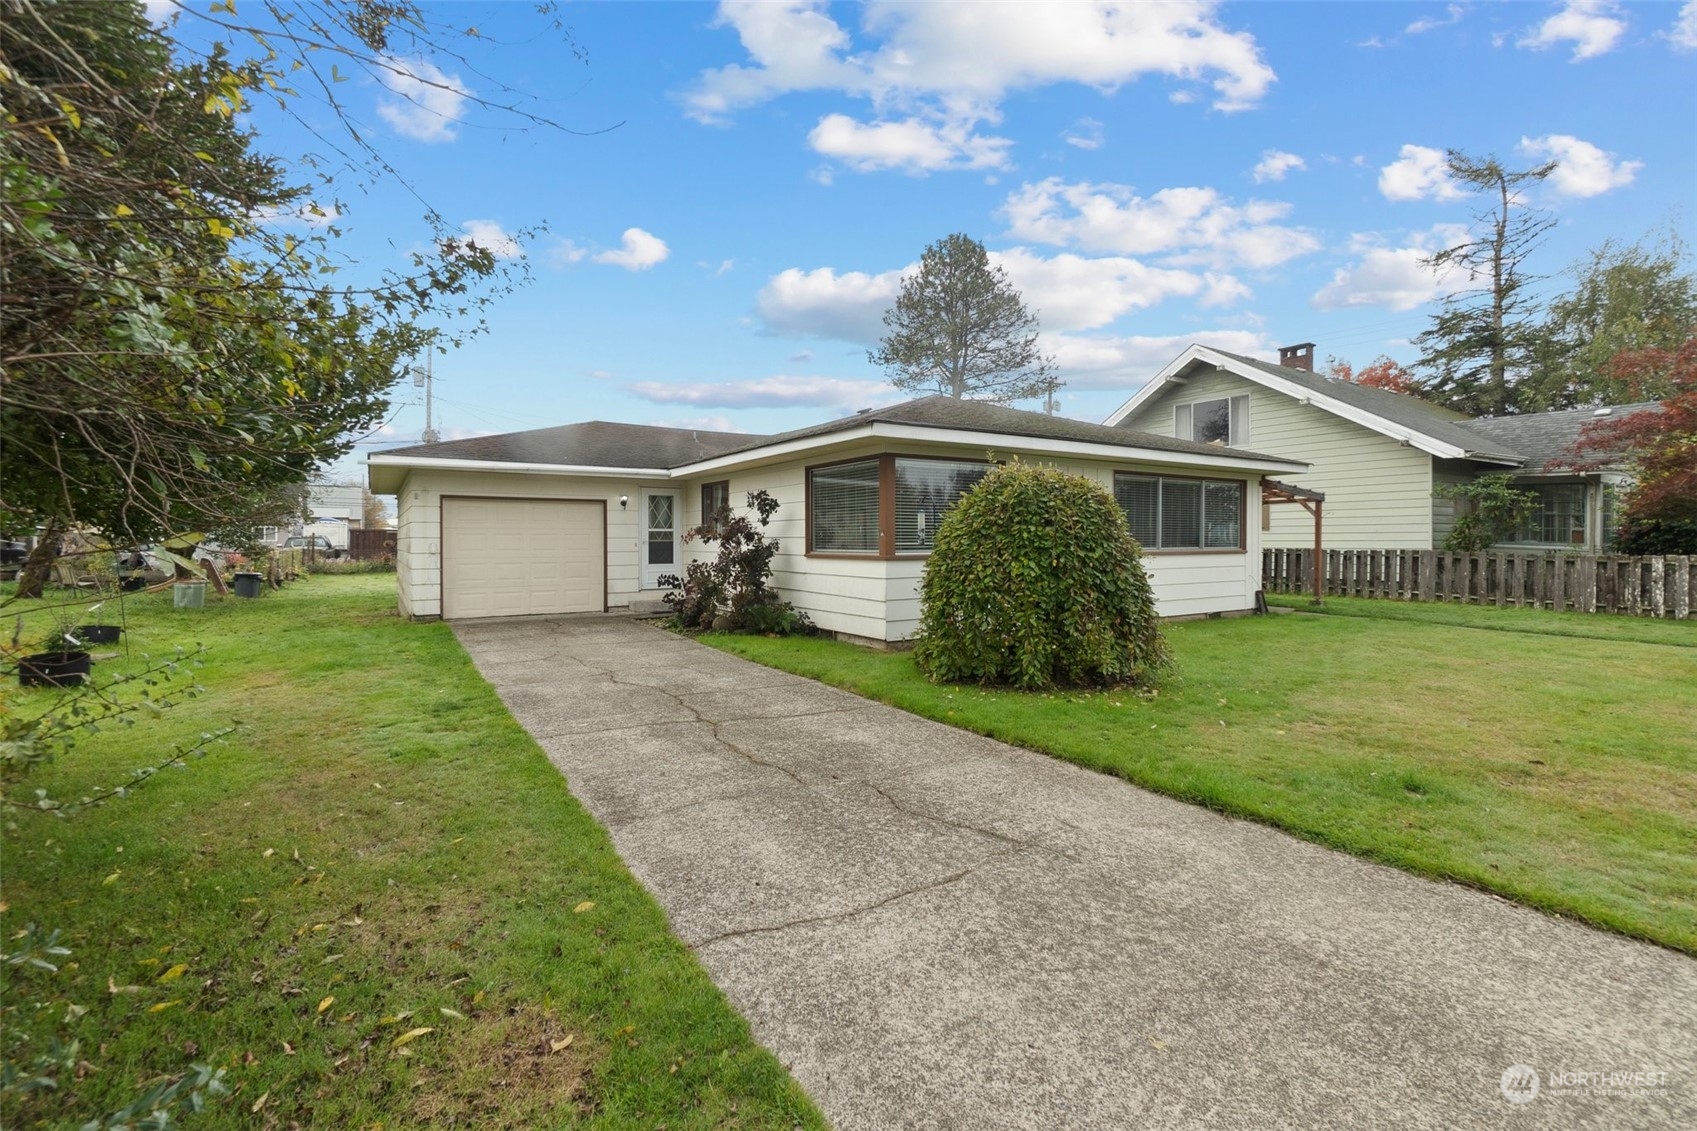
x,y
1299,356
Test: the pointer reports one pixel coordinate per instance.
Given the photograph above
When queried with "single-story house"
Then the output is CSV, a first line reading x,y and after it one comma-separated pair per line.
x,y
590,517
1378,456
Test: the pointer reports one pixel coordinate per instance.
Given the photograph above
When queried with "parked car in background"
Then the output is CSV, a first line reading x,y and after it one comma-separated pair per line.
x,y
314,544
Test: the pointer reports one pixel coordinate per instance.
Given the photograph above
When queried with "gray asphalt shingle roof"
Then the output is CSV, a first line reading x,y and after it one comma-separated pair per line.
x,y
1432,420
601,444
1543,436
595,443
944,412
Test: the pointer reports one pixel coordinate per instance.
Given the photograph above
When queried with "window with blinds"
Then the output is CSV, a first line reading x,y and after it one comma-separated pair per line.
x,y
844,502
925,488
1181,514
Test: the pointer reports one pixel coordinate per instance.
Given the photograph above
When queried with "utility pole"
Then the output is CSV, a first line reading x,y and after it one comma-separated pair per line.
x,y
428,380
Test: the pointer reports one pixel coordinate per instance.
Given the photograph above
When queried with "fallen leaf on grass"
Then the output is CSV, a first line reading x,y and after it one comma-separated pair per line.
x,y
268,853
326,1003
410,1035
584,906
174,972
288,1049
454,1013
259,1103
113,987
163,1006
563,1044
110,880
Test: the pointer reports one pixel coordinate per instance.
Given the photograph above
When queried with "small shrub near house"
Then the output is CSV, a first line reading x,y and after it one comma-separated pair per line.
x,y
1036,581
733,592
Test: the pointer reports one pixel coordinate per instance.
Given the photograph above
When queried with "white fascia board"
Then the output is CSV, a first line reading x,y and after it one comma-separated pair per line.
x,y
1160,381
1369,420
982,441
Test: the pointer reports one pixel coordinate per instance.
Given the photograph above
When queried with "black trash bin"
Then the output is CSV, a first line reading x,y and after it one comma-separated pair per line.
x,y
249,584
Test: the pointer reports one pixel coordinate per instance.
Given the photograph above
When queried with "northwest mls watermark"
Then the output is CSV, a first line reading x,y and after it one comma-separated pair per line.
x,y
1521,1084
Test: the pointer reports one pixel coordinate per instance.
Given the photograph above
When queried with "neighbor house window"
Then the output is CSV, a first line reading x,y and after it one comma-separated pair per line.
x,y
715,497
1169,513
1558,517
885,506
1222,421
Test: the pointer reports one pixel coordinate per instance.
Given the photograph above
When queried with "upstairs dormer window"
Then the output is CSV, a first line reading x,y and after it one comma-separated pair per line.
x,y
1223,421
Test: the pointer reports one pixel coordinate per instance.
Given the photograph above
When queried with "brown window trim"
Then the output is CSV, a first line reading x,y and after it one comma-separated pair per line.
x,y
1242,546
886,505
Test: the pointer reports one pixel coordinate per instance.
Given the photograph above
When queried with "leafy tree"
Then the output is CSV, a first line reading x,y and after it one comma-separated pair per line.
x,y
1035,580
959,327
1384,373
1659,444
174,353
1495,508
1483,339
1626,298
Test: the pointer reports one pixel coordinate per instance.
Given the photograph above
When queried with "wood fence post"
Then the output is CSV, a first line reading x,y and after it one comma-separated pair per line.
x,y
1682,587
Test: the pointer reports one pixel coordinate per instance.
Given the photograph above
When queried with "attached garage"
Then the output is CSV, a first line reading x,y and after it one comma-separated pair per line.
x,y
523,557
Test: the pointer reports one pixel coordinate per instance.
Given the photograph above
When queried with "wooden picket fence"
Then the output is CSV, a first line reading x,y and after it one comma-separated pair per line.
x,y
1664,586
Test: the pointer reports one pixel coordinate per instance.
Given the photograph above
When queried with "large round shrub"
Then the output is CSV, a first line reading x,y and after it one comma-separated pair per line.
x,y
1035,580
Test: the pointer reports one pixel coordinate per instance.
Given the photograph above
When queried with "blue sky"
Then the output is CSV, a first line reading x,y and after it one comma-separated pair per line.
x,y
1246,175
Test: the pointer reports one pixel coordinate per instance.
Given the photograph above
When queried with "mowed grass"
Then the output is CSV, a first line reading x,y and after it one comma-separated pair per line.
x,y
1560,771
379,848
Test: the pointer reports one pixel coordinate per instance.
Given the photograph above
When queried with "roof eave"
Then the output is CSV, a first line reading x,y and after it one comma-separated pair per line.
x,y
404,464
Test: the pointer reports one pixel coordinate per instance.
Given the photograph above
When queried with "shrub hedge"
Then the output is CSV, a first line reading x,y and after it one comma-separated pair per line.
x,y
1034,581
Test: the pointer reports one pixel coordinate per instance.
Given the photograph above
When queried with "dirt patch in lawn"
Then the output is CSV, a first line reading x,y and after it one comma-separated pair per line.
x,y
510,1069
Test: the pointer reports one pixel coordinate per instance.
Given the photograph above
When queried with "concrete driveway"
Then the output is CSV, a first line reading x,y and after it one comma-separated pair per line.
x,y
932,929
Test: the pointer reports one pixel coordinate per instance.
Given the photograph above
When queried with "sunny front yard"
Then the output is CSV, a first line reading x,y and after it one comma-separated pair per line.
x,y
1549,757
379,849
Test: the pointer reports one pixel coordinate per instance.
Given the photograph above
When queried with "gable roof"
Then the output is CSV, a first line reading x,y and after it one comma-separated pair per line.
x,y
1543,436
594,443
1433,429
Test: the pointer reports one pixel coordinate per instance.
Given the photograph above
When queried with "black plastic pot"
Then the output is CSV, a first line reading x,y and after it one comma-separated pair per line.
x,y
249,584
53,669
97,633
131,584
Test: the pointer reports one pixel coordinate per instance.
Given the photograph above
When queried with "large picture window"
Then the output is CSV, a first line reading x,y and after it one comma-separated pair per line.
x,y
1557,519
885,506
1168,513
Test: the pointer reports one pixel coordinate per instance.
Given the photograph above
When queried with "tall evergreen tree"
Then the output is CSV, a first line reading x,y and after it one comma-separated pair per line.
x,y
1484,338
959,327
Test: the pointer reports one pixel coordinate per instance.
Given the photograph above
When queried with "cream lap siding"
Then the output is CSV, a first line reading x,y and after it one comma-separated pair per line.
x,y
1378,492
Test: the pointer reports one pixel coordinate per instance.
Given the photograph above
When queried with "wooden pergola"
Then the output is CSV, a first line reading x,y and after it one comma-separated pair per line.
x,y
1273,491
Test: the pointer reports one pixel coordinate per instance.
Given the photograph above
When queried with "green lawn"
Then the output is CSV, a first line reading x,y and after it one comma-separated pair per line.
x,y
378,849
1560,772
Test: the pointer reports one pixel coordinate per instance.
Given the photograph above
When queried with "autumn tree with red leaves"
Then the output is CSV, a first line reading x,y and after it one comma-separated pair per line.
x,y
1384,373
1660,444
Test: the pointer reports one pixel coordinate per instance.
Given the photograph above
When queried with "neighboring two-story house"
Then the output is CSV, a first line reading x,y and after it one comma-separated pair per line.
x,y
1378,456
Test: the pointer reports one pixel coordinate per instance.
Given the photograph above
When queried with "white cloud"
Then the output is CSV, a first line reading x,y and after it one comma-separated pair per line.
x,y
802,358
640,251
1395,277
313,215
718,422
159,11
489,235
1066,292
1683,34
1419,173
909,144
1102,362
1086,133
425,102
769,392
1190,224
1452,15
725,266
947,67
1581,168
1274,164
1590,25
564,252
823,304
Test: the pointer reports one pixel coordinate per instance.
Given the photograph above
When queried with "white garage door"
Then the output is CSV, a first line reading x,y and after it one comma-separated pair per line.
x,y
522,557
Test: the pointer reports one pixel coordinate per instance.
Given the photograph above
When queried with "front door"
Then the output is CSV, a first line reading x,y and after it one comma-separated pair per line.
x,y
659,537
